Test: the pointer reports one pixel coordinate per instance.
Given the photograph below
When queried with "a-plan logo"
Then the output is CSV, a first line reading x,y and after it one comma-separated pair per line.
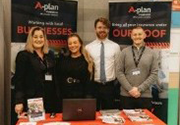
x,y
46,7
140,12
49,9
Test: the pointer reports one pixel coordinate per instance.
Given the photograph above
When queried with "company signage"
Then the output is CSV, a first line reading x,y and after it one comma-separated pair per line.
x,y
58,18
154,17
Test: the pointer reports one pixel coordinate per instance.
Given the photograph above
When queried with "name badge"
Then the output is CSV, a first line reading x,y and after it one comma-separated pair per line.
x,y
136,72
48,77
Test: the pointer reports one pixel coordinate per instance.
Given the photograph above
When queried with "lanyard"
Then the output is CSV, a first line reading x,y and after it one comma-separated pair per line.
x,y
45,63
134,57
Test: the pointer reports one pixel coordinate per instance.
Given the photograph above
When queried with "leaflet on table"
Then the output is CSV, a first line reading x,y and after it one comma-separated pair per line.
x,y
116,119
28,123
36,109
57,123
137,115
110,112
112,116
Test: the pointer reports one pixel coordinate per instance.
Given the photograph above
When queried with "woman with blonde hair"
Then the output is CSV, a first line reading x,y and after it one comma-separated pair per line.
x,y
34,76
75,71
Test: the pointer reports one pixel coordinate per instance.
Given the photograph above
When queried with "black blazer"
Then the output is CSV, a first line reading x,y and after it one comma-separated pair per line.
x,y
29,78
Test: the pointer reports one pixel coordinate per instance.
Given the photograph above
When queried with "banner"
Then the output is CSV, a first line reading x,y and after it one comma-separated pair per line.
x,y
57,17
154,17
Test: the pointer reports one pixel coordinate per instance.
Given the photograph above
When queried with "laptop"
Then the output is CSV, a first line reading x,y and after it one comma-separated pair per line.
x,y
79,109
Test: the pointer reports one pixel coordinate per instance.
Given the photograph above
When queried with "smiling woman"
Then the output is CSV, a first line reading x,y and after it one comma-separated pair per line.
x,y
75,70
34,76
38,39
74,46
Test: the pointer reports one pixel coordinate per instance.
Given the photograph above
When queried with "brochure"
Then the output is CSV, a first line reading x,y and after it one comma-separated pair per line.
x,y
137,115
57,123
110,112
28,123
112,116
36,109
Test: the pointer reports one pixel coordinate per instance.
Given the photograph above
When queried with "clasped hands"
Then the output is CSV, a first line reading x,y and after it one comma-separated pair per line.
x,y
134,92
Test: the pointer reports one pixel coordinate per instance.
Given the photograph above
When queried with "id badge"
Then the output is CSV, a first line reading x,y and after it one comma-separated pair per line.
x,y
48,77
136,72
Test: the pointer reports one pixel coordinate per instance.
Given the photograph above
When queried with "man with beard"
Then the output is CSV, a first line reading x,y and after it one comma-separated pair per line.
x,y
105,54
138,69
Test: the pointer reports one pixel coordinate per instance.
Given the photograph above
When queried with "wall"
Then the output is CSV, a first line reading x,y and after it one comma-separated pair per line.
x,y
6,59
88,11
1,66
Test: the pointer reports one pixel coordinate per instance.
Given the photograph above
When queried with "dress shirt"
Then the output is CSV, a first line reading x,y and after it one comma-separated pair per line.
x,y
111,54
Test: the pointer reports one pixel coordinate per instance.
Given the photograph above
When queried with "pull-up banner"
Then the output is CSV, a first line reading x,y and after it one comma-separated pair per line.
x,y
57,17
154,17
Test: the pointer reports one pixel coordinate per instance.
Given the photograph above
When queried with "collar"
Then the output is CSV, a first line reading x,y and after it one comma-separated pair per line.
x,y
35,53
104,41
142,46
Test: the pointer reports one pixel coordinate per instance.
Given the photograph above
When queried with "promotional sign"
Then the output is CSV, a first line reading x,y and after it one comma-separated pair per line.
x,y
57,17
154,17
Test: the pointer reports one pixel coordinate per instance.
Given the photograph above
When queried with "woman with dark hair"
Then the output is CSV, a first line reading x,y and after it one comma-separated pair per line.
x,y
35,73
75,70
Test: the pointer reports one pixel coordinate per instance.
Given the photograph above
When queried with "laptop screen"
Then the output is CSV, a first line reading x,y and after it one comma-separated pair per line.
x,y
79,109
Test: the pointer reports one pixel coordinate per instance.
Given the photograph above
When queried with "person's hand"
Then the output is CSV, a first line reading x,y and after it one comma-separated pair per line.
x,y
134,92
19,108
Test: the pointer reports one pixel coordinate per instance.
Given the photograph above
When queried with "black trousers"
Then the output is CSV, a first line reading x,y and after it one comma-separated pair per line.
x,y
105,95
135,103
161,111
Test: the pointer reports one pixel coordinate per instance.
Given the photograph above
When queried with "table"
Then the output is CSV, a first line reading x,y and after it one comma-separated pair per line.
x,y
155,120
